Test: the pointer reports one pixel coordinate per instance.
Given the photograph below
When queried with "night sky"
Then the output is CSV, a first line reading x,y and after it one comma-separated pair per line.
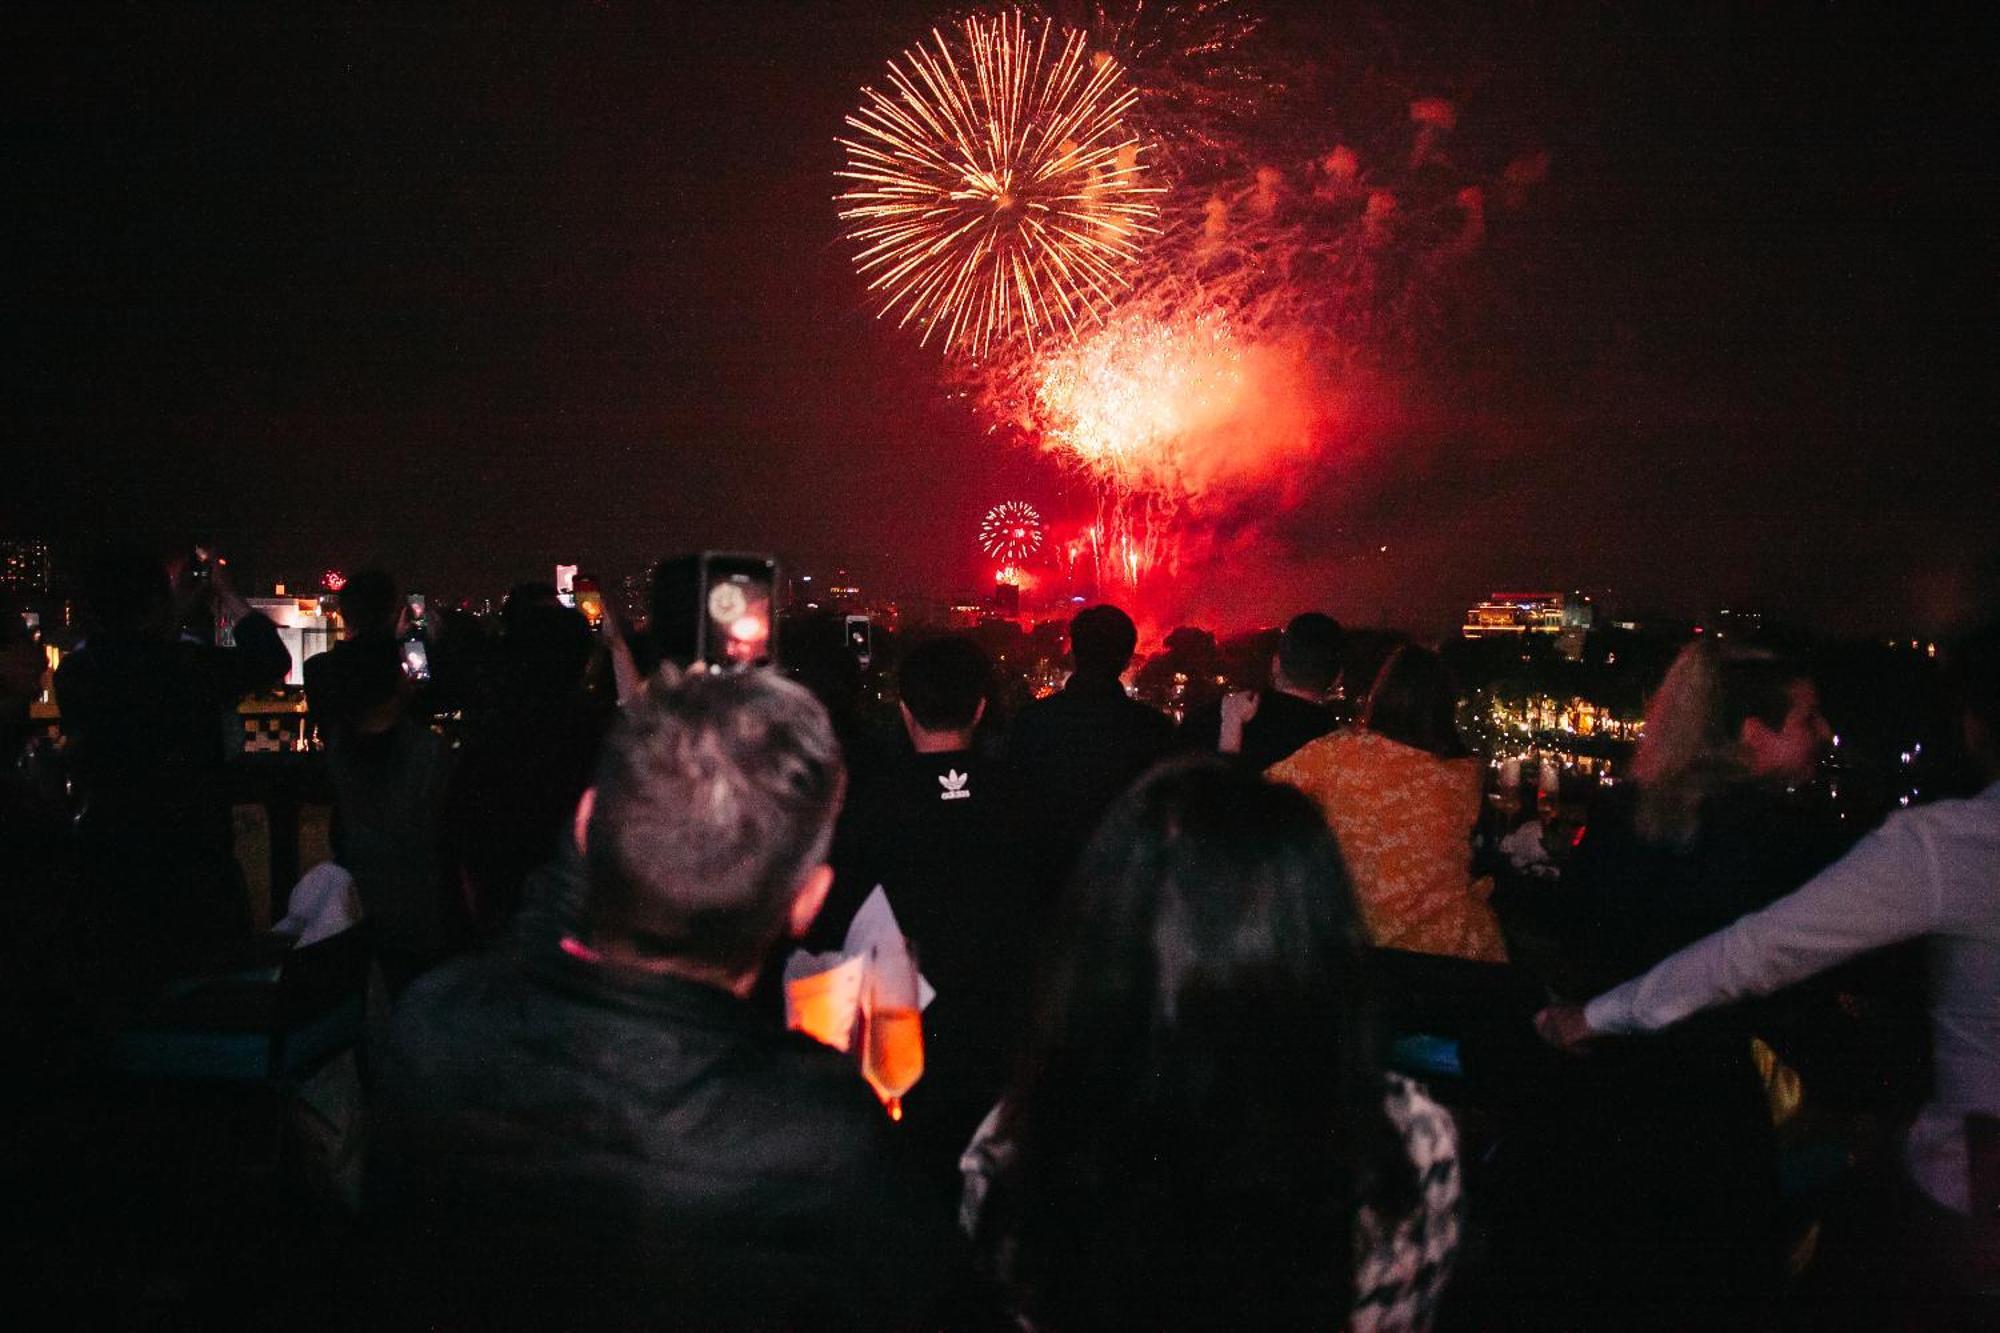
x,y
467,289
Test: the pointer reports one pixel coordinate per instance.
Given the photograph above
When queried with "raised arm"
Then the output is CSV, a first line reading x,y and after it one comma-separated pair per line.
x,y
1884,891
260,659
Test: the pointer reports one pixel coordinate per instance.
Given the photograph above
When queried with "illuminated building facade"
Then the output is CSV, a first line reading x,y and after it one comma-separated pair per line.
x,y
966,613
1567,616
24,566
1528,613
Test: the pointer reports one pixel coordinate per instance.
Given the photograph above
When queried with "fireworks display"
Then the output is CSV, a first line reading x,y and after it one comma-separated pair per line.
x,y
1185,341
1011,532
994,190
1160,412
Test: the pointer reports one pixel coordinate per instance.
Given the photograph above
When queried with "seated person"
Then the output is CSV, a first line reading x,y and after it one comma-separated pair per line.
x,y
1402,794
1931,873
1202,1134
596,1128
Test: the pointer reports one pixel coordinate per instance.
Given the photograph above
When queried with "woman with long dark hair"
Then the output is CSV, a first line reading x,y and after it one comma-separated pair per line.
x,y
1201,1133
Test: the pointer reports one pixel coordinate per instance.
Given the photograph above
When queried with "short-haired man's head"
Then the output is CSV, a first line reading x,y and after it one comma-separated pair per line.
x,y
1309,651
943,681
125,586
716,796
369,603
523,601
1101,640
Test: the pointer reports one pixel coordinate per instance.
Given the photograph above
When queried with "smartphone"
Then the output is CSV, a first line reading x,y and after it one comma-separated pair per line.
x,y
416,605
589,600
861,639
716,609
416,658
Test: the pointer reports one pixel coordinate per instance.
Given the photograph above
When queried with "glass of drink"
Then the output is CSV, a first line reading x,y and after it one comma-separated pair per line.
x,y
892,1047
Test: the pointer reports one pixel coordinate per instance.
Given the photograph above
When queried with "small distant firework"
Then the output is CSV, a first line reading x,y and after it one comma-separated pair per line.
x,y
996,193
1011,532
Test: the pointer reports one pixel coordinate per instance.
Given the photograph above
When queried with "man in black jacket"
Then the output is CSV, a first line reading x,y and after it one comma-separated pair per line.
x,y
596,1129
1076,751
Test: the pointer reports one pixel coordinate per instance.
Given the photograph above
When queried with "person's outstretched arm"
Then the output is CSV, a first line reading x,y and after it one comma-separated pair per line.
x,y
260,660
1884,891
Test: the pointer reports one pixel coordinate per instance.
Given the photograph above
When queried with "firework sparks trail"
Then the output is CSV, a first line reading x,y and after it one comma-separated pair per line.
x,y
995,191
1011,532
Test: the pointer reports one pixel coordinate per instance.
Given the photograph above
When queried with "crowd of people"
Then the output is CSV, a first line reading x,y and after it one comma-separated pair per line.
x,y
1230,1024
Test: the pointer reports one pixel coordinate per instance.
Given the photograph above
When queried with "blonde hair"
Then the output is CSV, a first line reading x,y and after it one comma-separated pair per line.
x,y
1692,745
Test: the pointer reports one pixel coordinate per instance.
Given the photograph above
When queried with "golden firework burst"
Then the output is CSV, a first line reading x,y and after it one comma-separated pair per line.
x,y
994,187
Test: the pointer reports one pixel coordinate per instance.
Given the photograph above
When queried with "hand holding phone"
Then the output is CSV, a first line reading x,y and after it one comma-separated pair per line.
x,y
716,609
416,658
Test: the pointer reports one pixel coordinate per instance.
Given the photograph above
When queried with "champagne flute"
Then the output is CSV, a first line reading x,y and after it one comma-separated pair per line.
x,y
892,1047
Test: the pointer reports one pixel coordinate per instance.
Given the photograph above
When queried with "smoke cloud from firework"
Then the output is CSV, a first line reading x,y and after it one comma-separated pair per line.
x,y
1182,407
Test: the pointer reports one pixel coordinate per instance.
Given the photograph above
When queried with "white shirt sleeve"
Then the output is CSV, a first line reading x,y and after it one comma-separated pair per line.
x,y
1883,891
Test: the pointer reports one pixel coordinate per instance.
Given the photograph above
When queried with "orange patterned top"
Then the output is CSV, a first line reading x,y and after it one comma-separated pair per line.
x,y
1403,818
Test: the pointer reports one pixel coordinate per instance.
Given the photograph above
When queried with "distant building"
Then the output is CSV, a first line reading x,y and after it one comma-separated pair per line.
x,y
1738,623
632,594
1529,613
966,613
1568,616
843,593
24,566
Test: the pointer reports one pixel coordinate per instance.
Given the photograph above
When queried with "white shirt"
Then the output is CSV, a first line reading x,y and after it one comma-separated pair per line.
x,y
1932,871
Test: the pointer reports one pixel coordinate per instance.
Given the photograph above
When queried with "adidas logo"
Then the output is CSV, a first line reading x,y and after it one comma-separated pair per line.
x,y
953,783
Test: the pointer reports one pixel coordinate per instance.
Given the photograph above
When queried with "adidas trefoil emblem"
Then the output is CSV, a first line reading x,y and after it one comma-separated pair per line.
x,y
953,783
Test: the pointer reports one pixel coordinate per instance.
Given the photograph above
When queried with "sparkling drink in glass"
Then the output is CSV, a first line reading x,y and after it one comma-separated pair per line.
x,y
892,1049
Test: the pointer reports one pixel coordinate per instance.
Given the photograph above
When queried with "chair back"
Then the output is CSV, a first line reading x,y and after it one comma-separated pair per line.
x,y
253,1026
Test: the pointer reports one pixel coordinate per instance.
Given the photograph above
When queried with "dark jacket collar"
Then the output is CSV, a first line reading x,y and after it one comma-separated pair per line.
x,y
1082,686
565,964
